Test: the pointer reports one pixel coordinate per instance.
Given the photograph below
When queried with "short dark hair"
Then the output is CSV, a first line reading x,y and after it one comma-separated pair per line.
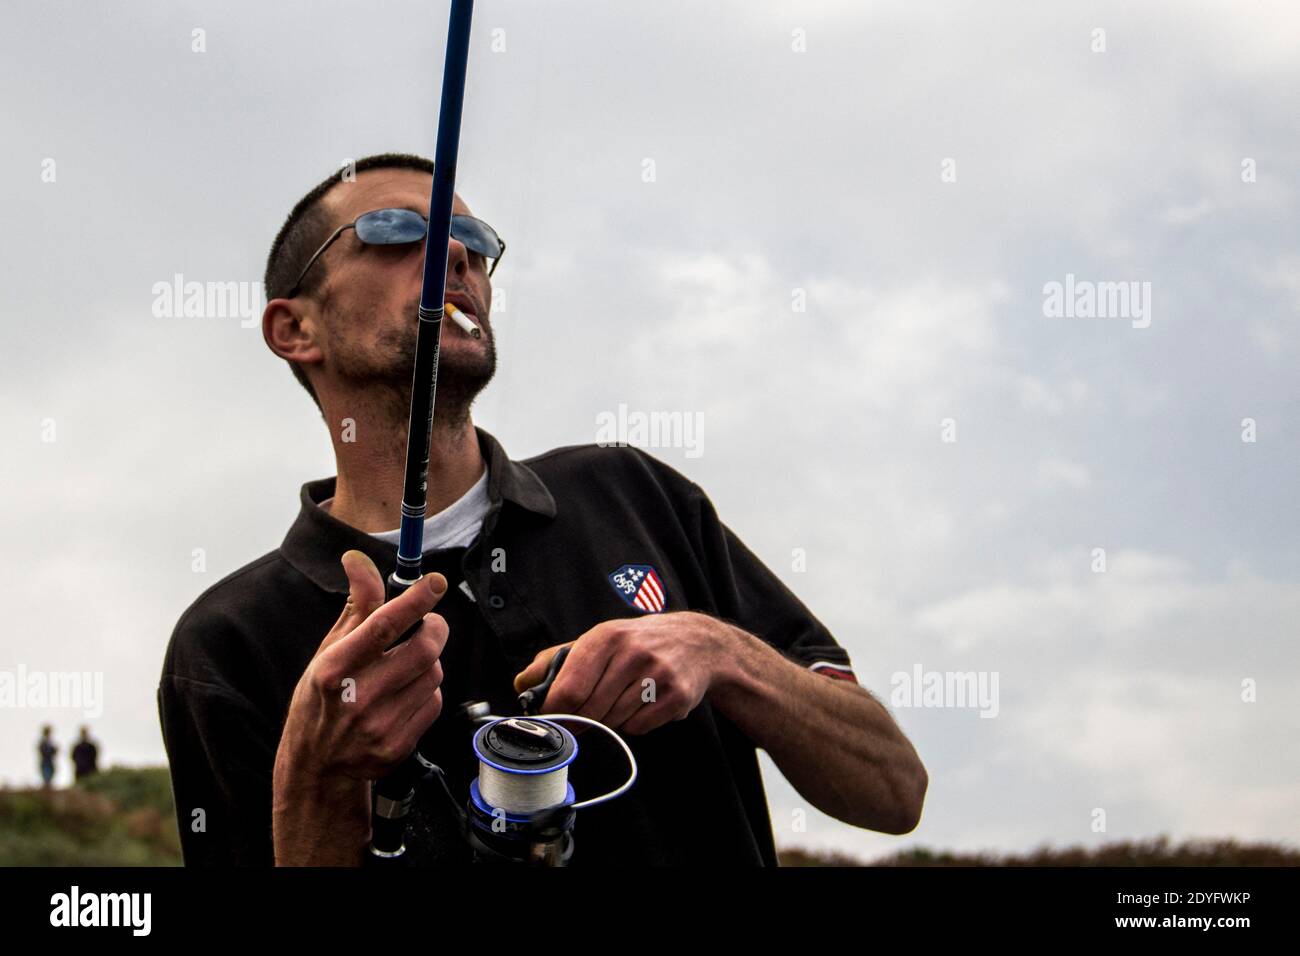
x,y
307,227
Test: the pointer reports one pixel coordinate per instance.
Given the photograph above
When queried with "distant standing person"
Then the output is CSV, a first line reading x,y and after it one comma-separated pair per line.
x,y
46,750
85,756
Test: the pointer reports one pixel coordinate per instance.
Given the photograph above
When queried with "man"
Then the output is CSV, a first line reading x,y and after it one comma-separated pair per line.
x,y
46,750
279,703
85,756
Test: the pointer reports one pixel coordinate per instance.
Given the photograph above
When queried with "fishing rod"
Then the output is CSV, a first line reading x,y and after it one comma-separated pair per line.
x,y
521,808
394,793
410,551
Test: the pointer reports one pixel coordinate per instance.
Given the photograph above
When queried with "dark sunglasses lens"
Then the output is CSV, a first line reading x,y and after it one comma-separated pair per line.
x,y
476,236
387,227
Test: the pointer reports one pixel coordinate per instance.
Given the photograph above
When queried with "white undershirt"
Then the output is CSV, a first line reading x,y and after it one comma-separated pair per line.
x,y
455,526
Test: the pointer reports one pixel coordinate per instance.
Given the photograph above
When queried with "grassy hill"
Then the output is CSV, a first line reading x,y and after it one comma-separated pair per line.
x,y
124,817
121,817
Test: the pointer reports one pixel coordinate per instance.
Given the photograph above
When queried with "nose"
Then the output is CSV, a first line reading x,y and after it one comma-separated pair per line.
x,y
457,257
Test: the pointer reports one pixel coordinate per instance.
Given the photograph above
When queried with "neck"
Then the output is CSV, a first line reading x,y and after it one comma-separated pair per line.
x,y
372,472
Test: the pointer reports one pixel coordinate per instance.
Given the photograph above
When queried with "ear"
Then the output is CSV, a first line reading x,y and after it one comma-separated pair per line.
x,y
290,332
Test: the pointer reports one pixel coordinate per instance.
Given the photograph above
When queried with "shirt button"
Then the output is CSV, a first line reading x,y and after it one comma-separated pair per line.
x,y
496,602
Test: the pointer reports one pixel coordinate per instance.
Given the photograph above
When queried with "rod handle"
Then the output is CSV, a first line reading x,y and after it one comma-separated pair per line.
x,y
395,587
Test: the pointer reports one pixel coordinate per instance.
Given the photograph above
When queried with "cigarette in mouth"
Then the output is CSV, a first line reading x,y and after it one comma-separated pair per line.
x,y
461,319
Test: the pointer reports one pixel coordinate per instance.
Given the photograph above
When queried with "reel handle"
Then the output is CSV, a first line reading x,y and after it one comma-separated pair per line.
x,y
532,700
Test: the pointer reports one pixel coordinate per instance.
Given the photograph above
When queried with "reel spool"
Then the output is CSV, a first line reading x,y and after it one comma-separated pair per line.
x,y
521,804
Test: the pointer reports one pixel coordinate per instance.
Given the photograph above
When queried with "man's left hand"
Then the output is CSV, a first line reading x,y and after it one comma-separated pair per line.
x,y
636,674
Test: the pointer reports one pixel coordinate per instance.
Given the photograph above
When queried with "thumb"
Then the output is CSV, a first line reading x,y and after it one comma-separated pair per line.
x,y
534,672
365,591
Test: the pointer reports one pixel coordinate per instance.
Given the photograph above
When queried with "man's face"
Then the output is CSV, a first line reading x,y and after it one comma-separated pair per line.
x,y
369,302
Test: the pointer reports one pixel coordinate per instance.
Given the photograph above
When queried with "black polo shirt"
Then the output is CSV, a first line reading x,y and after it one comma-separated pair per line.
x,y
573,537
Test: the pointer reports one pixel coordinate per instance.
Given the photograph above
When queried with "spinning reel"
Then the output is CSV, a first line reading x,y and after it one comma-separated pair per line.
x,y
521,806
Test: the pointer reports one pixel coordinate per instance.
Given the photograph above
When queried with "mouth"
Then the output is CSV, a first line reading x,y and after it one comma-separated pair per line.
x,y
463,302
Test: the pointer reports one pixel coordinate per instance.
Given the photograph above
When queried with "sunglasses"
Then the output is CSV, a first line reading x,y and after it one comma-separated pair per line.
x,y
396,227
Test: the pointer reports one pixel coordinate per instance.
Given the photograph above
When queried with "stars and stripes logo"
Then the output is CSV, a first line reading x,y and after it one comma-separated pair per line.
x,y
640,587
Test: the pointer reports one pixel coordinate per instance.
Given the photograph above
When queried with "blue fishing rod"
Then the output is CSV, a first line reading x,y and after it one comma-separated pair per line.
x,y
521,808
394,794
410,548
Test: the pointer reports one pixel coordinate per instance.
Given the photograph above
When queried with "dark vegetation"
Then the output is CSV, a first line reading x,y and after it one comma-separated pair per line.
x,y
124,817
121,817
1156,852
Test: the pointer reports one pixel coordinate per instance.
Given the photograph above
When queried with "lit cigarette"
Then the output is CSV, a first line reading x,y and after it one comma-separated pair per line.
x,y
461,319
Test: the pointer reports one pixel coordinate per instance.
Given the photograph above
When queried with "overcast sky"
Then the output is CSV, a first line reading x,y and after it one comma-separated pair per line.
x,y
913,174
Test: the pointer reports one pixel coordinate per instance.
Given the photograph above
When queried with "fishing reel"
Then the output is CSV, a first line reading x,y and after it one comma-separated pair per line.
x,y
521,807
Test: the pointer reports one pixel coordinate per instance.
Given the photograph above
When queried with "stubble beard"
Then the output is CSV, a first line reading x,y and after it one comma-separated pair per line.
x,y
380,374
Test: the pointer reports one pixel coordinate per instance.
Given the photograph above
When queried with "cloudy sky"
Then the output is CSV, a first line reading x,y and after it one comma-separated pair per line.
x,y
838,266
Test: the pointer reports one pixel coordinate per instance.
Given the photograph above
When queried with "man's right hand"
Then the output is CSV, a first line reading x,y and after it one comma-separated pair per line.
x,y
358,711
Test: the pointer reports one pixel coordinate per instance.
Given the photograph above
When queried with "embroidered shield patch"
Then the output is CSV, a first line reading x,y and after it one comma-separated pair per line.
x,y
640,586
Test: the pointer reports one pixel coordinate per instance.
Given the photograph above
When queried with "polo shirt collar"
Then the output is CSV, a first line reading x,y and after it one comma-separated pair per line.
x,y
317,539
